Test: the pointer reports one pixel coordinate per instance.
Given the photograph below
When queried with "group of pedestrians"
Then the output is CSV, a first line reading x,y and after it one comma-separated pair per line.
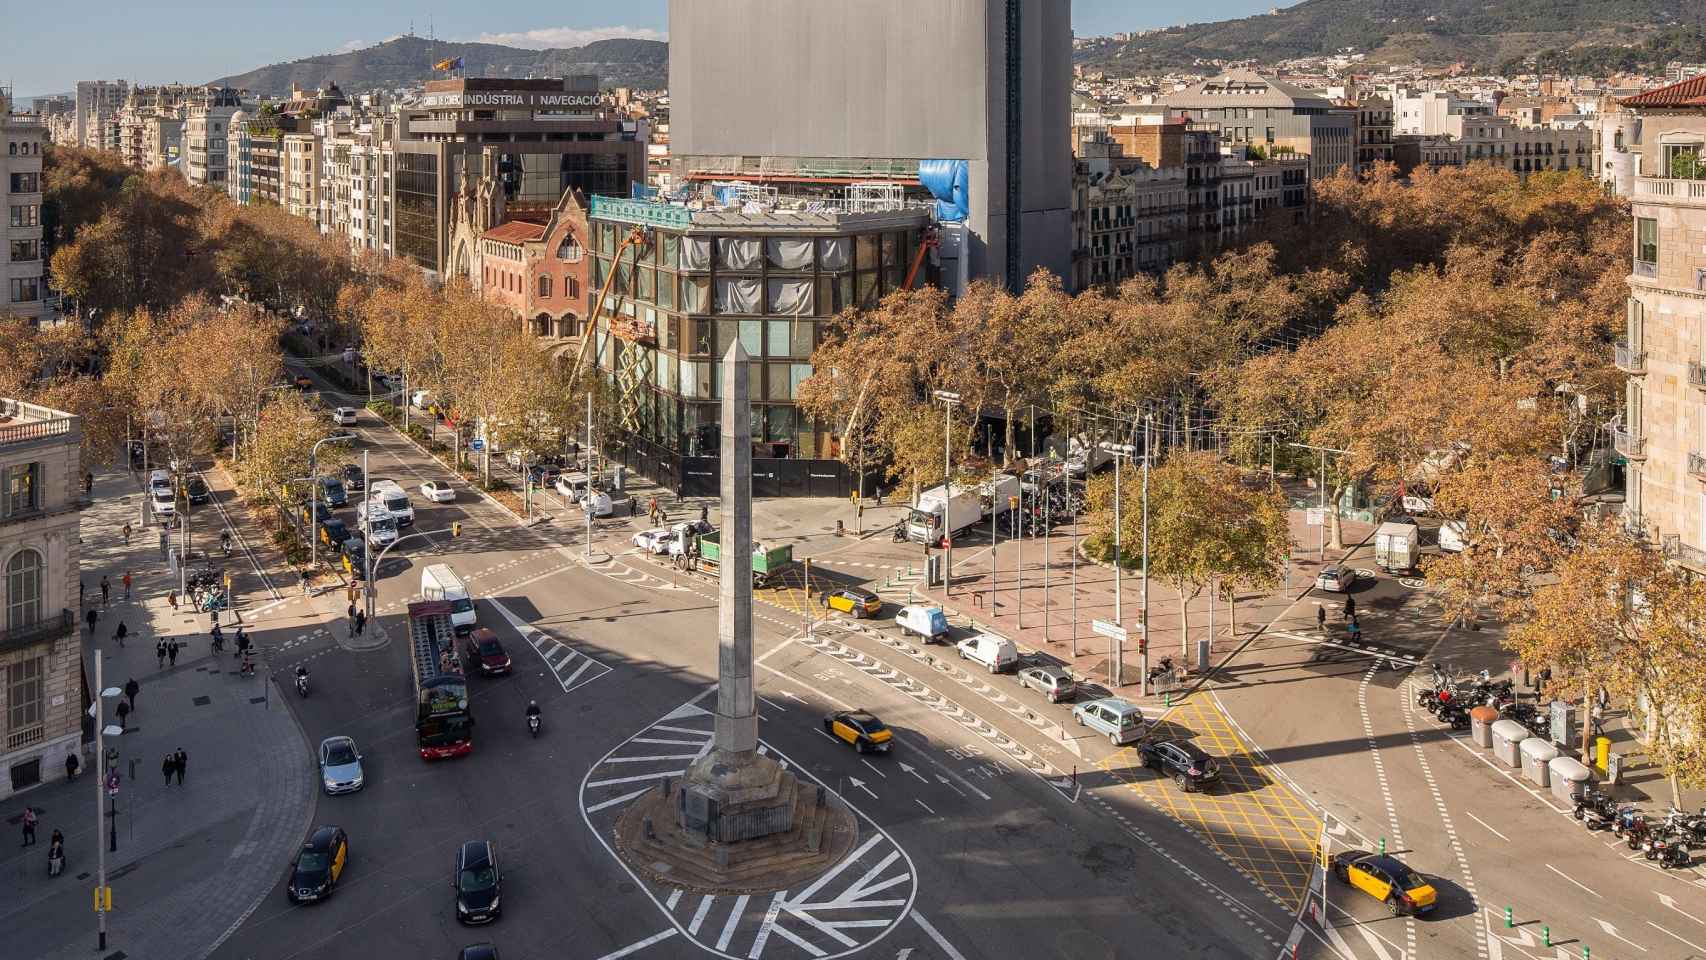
x,y
55,842
357,620
166,649
1353,627
174,765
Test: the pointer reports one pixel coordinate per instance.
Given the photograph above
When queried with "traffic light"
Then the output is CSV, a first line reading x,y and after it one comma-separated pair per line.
x,y
456,528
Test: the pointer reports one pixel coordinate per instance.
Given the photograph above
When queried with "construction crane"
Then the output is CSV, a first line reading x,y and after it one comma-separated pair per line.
x,y
637,236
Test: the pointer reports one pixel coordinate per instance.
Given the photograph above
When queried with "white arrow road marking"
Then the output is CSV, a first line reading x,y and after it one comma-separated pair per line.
x,y
950,786
1611,931
860,784
1671,903
909,768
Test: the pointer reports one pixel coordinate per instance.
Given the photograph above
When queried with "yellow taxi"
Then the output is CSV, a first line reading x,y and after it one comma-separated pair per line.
x,y
303,382
861,729
318,866
854,600
1385,879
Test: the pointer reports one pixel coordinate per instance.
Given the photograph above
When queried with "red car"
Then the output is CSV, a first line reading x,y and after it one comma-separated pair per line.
x,y
486,652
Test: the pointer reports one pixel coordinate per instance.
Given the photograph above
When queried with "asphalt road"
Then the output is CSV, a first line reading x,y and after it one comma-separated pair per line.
x,y
997,850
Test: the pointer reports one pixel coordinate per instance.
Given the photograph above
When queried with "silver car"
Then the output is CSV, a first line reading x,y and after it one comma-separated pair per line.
x,y
1335,579
1053,682
340,766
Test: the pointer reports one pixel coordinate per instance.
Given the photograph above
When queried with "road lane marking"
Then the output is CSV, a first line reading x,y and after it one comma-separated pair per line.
x,y
674,899
640,945
1572,880
1489,827
924,805
1675,937
873,768
616,800
733,921
699,915
936,935
638,779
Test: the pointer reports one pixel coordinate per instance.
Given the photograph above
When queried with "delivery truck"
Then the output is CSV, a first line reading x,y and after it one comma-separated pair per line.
x,y
703,552
439,582
944,510
1396,547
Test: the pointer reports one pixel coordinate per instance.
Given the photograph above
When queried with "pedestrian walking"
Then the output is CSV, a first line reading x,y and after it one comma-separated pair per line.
x,y
705,513
166,766
120,632
29,825
131,689
652,511
82,587
179,761
165,541
90,618
71,765
123,711
172,653
350,613
1350,608
360,622
1321,619
172,598
106,590
56,853
126,581
88,483
127,534
160,653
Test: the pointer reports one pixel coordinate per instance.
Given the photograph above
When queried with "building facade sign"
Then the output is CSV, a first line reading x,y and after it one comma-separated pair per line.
x,y
518,99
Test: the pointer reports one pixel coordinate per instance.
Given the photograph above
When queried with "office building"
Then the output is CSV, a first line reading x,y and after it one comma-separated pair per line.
x,y
539,137
1662,430
23,273
1273,116
41,665
98,105
821,95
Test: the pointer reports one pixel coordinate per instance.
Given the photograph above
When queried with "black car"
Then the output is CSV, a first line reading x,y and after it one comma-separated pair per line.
x,y
318,512
479,951
353,480
333,532
1184,761
196,490
354,557
317,867
332,491
477,882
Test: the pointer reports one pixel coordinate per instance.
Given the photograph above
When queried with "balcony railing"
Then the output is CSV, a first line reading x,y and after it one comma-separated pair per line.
x,y
47,628
1669,190
1678,552
1697,466
29,430
1697,375
1646,269
1629,359
1629,444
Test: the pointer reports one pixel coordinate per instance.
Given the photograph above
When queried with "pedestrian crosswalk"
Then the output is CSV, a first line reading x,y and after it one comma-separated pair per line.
x,y
572,668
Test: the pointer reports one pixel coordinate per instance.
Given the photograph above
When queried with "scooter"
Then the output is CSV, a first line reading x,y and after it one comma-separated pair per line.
x,y
302,684
533,724
1595,810
1632,826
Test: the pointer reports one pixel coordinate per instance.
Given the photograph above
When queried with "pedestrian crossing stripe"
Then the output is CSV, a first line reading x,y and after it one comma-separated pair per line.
x,y
572,668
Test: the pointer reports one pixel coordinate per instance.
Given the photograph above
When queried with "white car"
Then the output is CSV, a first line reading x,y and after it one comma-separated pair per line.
x,y
1335,579
569,486
655,542
344,416
420,398
596,502
163,502
159,480
437,491
377,524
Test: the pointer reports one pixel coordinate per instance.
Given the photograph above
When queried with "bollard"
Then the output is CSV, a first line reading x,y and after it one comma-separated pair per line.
x,y
1546,936
1584,953
1383,846
1509,923
1167,699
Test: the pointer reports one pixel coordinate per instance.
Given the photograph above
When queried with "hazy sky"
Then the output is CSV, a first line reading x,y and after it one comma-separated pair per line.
x,y
44,50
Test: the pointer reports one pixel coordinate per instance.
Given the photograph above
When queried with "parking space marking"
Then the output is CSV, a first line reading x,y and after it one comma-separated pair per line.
x,y
1254,823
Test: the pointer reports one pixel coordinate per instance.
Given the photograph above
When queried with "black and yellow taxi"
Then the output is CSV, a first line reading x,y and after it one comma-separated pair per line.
x,y
854,600
303,382
317,867
352,555
1385,879
860,728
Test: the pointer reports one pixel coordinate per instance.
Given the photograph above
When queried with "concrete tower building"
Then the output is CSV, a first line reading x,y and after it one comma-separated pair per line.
x,y
782,91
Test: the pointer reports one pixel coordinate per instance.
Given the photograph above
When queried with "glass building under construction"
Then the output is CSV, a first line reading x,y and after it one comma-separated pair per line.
x,y
687,278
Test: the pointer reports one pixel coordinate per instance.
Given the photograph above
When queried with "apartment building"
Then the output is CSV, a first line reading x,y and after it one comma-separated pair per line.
x,y
41,665
207,134
300,168
239,159
1253,110
1413,151
1522,150
1427,112
1373,134
1128,217
98,105
1662,430
23,280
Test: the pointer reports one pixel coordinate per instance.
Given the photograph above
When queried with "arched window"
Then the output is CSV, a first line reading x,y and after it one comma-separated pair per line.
x,y
545,286
23,589
570,251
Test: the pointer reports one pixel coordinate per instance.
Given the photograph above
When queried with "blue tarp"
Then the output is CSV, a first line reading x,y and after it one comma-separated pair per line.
x,y
639,191
949,181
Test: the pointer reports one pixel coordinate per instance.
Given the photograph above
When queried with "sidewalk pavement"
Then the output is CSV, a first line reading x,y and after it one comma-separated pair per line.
x,y
190,863
1050,628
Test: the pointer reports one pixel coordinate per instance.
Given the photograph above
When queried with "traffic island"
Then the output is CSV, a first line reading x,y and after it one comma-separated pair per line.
x,y
653,837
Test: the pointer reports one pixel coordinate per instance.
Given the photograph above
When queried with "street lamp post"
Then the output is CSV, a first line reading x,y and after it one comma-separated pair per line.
x,y
314,497
948,399
102,786
1143,626
1121,451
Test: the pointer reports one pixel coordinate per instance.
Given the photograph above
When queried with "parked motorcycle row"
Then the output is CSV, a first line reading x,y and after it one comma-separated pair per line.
x,y
1451,698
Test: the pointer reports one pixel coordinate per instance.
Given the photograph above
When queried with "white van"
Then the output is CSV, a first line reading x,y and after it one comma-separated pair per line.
x,y
394,500
376,523
439,582
996,653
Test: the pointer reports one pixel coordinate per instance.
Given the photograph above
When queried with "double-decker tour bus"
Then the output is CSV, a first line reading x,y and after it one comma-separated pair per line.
x,y
444,726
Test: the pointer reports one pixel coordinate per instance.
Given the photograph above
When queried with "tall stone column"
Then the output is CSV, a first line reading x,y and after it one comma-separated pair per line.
x,y
737,710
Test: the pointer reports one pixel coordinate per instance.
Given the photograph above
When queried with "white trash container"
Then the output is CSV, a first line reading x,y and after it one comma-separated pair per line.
x,y
1536,754
1481,720
1569,778
1507,734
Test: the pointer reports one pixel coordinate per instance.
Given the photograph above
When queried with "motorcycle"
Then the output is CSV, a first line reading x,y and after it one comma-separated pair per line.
x,y
1456,714
900,532
533,724
1595,810
1632,826
1659,837
302,684
1671,852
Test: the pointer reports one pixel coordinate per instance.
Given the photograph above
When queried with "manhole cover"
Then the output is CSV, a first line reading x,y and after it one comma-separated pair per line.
x,y
202,701
257,699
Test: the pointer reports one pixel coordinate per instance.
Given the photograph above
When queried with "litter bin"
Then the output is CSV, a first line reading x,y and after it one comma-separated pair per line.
x,y
1506,735
1481,720
1536,754
1569,778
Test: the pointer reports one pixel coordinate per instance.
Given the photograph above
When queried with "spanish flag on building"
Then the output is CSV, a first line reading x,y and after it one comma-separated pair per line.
x,y
449,63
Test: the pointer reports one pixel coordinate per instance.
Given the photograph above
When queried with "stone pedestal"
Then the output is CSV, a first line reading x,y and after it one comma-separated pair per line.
x,y
727,798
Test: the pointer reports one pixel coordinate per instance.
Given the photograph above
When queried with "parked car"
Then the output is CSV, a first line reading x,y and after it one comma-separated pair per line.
x,y
1190,767
929,622
353,479
569,486
1055,683
655,541
477,882
303,382
196,491
162,502
857,601
318,866
486,651
1385,879
597,503
160,480
861,729
438,491
340,766
317,511
1335,579
344,416
1119,720
996,653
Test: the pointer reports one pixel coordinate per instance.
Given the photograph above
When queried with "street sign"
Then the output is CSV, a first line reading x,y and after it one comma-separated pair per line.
x,y
1112,631
1315,516
476,444
112,783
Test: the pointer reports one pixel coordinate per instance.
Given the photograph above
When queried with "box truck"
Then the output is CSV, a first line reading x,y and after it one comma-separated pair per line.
x,y
943,510
1395,547
439,582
